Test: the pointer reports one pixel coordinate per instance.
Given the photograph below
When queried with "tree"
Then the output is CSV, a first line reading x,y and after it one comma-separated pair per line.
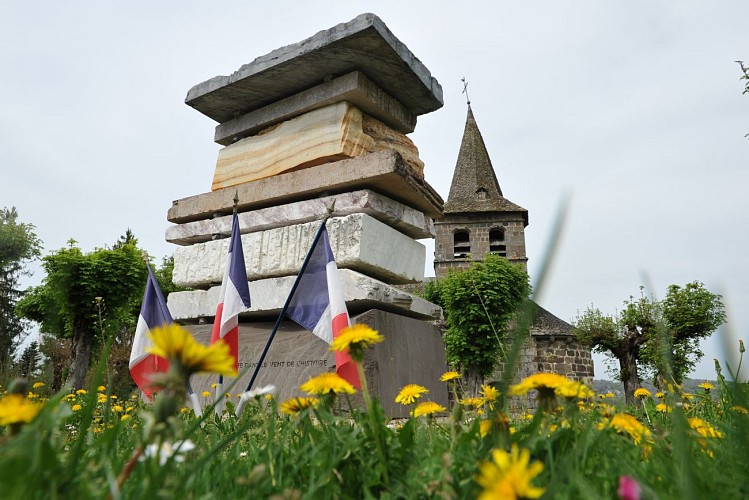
x,y
27,363
479,303
657,336
18,245
79,291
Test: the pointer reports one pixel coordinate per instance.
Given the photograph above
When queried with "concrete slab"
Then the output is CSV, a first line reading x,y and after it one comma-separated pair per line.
x,y
353,87
408,221
358,241
384,172
364,44
412,353
268,295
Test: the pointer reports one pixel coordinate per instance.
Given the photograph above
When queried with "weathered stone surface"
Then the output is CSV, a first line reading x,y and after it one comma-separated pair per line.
x,y
412,353
358,241
331,133
384,172
353,87
268,295
363,44
408,221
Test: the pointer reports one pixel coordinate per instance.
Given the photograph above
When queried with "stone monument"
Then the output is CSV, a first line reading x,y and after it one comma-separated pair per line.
x,y
316,125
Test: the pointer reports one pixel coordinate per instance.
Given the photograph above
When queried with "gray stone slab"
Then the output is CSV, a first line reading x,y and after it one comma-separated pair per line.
x,y
358,241
408,221
384,172
268,295
363,44
353,87
412,353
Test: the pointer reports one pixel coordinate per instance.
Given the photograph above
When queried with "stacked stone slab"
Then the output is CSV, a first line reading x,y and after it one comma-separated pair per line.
x,y
314,127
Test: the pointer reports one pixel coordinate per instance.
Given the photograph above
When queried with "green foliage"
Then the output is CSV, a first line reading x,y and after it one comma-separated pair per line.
x,y
30,357
479,303
18,245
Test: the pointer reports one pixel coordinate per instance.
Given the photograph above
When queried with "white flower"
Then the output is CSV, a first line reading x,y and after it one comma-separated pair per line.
x,y
169,450
253,394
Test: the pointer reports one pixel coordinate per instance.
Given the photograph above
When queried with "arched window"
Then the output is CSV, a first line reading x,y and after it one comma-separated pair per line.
x,y
497,241
461,244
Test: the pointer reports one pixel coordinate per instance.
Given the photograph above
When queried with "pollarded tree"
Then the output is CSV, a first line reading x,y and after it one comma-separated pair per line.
x,y
479,303
660,336
18,245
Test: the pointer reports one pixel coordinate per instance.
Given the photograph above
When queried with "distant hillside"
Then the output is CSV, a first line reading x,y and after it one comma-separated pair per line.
x,y
617,388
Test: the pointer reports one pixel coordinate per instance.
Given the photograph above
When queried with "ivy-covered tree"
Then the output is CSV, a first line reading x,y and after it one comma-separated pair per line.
x,y
18,245
86,297
479,303
661,337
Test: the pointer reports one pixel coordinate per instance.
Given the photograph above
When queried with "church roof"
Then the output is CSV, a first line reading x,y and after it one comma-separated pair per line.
x,y
475,187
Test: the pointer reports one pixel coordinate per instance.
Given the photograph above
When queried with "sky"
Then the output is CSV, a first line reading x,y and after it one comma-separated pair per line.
x,y
632,109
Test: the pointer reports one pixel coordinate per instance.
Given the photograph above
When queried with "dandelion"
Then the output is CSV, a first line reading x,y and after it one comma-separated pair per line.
x,y
540,382
101,398
574,390
448,376
427,408
81,392
707,386
624,423
294,406
355,339
205,394
327,383
38,385
117,408
642,393
660,395
176,344
410,393
475,402
76,407
168,450
485,426
509,475
489,395
16,409
126,416
663,408
703,428
101,388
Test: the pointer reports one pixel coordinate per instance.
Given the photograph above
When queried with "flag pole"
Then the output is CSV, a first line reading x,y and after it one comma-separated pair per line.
x,y
291,295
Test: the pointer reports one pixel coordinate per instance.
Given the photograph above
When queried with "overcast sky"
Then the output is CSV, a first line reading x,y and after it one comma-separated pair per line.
x,y
634,108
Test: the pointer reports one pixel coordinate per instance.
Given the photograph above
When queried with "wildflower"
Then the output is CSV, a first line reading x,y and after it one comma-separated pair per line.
x,y
294,406
117,408
38,385
410,393
476,402
642,393
168,450
176,344
707,386
70,397
609,395
742,350
663,408
76,407
427,408
624,423
327,383
687,397
485,426
355,339
703,428
101,388
540,382
126,416
629,488
16,409
509,475
490,395
102,398
214,385
448,376
81,392
253,394
660,395
574,390
205,394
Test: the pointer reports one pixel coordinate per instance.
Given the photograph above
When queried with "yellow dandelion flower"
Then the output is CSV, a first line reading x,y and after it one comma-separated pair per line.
x,y
539,382
355,339
448,376
117,408
38,385
410,393
14,409
475,402
205,394
489,393
184,409
76,407
574,390
126,416
703,428
70,397
509,475
687,396
707,386
624,423
609,395
101,388
607,410
177,344
427,408
327,383
31,395
485,426
114,396
102,398
642,393
663,408
660,394
294,406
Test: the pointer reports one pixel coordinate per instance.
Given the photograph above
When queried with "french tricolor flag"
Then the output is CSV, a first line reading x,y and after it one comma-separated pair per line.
x,y
235,295
318,304
153,313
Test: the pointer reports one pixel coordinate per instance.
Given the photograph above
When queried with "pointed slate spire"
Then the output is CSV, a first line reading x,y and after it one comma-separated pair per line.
x,y
474,186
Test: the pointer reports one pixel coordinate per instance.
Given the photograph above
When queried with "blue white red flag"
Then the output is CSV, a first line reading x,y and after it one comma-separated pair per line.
x,y
235,296
318,304
153,313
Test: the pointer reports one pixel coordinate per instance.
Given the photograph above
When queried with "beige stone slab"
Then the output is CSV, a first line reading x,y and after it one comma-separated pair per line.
x,y
331,133
358,242
408,221
353,87
383,172
268,296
